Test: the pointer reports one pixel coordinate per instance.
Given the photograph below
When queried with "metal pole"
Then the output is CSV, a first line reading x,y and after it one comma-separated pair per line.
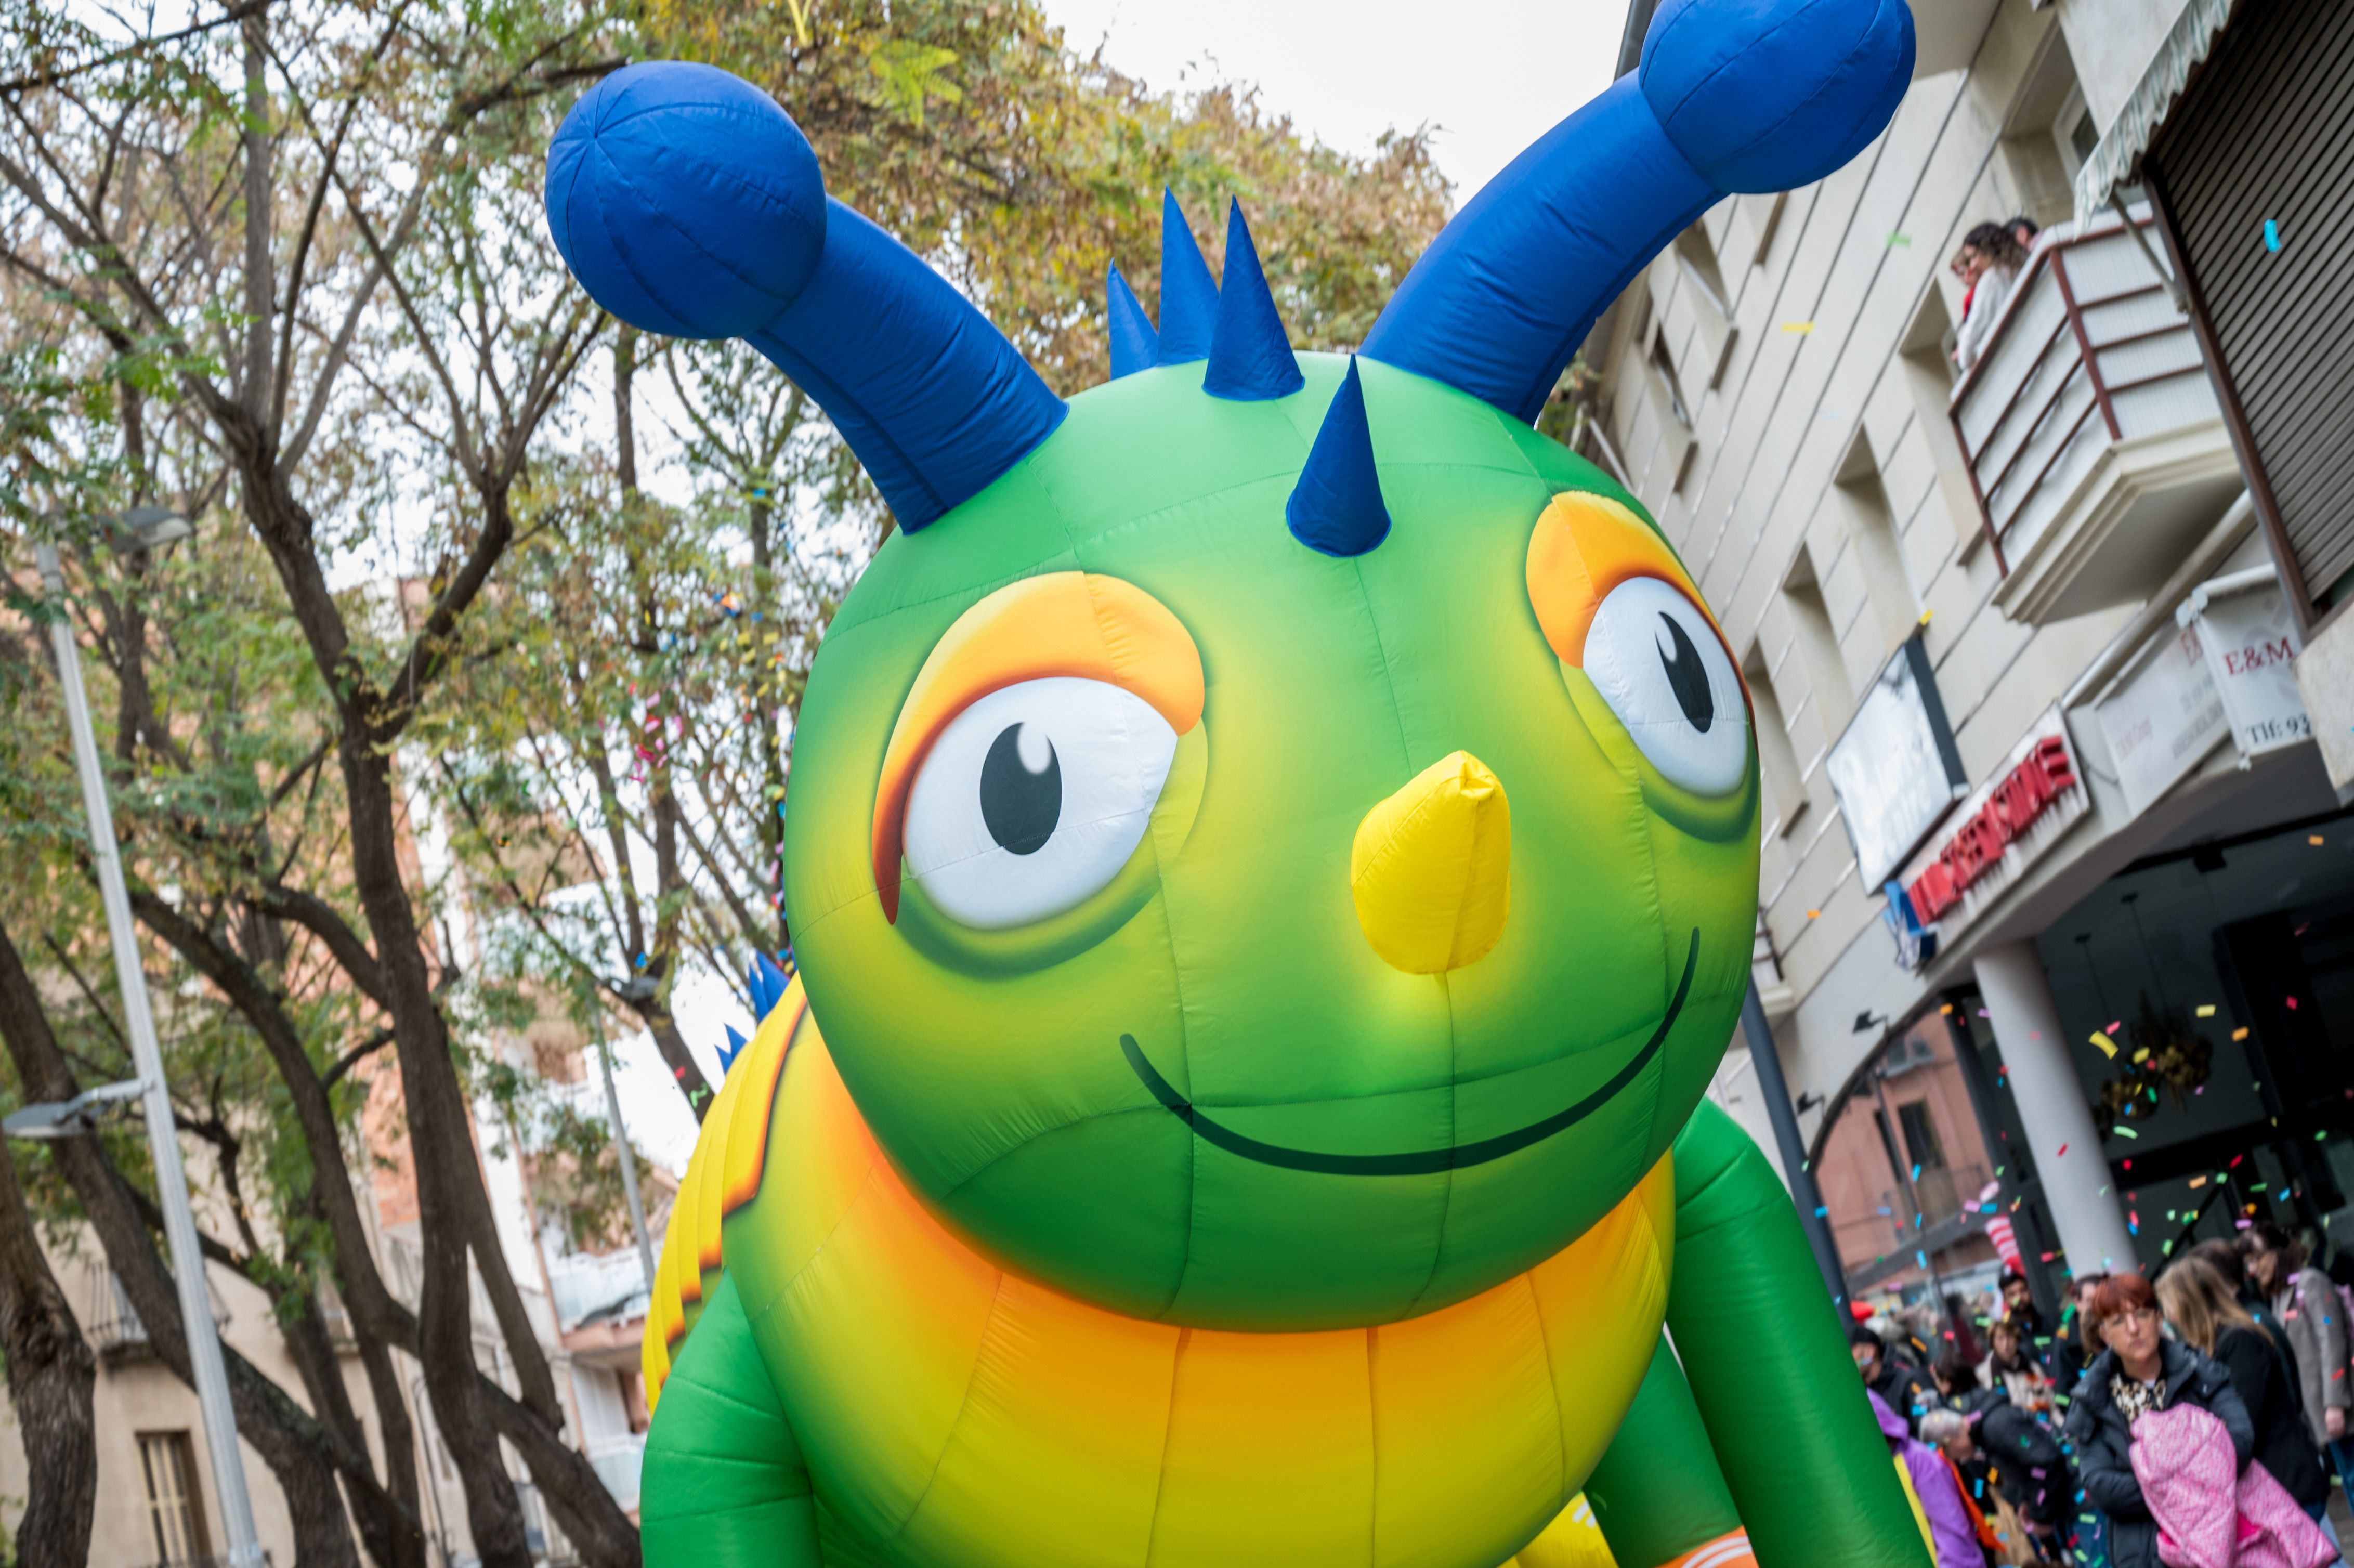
x,y
628,1159
209,1373
1767,1061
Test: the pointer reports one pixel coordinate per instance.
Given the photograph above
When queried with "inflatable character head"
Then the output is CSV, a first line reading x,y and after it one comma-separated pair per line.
x,y
1273,840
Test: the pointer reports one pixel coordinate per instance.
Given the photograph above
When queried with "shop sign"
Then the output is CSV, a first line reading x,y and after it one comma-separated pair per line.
x,y
2163,717
2008,824
1895,769
2251,639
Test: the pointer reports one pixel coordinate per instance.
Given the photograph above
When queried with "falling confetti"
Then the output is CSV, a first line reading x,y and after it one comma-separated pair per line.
x,y
2127,1132
1899,238
2240,1033
2206,1009
2315,840
2063,1149
1799,329
2108,1046
2272,242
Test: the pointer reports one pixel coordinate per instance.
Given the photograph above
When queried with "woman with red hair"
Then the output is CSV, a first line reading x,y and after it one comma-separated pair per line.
x,y
2140,1371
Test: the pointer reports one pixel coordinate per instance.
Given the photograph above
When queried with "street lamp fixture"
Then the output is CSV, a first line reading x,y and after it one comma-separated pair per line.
x,y
146,528
68,1119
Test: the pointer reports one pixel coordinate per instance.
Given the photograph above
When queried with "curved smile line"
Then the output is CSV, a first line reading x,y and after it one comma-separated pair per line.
x,y
1422,1163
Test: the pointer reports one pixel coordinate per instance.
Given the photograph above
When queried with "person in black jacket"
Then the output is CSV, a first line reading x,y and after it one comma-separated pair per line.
x,y
2140,1371
2199,1302
1908,1394
1999,1447
2072,1341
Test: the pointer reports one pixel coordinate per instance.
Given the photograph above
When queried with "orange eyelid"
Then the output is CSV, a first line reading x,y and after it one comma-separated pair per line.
x,y
1064,623
1584,545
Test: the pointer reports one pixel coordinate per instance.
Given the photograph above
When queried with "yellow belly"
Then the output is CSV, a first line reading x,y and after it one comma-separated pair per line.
x,y
955,1413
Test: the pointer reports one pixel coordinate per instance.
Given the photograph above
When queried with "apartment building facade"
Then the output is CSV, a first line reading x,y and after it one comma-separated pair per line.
x,y
2056,891
155,1492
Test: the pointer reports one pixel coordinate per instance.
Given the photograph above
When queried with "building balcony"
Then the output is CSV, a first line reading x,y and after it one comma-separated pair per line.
x,y
619,1461
2090,433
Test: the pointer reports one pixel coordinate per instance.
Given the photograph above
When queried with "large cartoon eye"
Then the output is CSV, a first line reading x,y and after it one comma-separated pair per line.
x,y
1034,798
1657,662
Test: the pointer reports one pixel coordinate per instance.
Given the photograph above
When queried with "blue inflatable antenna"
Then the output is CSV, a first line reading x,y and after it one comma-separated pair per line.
x,y
1337,505
729,233
1250,354
1727,98
729,1051
1134,344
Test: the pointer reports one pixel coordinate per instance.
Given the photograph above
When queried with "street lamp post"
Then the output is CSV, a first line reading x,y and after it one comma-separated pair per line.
x,y
210,1372
628,1159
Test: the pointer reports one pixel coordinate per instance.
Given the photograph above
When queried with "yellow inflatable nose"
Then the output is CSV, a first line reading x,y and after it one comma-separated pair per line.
x,y
1429,869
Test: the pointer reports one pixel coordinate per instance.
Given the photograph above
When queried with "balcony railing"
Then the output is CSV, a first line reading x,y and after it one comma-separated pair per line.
x,y
2090,432
619,1460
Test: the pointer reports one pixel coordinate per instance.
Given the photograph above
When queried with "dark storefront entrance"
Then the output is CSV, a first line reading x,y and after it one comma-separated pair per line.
x,y
2209,1000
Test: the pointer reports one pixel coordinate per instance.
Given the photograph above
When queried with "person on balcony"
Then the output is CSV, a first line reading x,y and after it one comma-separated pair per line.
x,y
1988,264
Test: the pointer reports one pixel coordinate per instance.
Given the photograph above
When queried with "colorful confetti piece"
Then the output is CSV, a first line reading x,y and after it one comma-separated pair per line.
x,y
1798,328
2272,234
2108,1046
2206,1009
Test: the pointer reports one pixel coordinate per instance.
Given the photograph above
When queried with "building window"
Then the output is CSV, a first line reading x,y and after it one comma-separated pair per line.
x,y
1818,644
1777,760
174,1511
1870,526
1921,1135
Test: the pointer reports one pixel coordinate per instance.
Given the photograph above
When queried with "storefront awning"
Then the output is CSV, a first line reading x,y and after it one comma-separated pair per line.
x,y
2116,160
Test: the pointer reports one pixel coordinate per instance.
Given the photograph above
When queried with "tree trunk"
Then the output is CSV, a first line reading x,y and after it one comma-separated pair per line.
x,y
393,1540
399,1439
587,1511
292,1445
50,1372
443,1158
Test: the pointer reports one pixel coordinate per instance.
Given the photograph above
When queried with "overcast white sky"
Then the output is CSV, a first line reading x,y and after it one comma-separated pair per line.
x,y
1492,75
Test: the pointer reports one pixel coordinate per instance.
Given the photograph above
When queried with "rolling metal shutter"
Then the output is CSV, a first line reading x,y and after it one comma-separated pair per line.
x,y
2265,134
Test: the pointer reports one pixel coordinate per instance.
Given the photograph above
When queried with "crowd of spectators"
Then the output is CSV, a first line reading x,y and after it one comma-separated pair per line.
x,y
2218,1390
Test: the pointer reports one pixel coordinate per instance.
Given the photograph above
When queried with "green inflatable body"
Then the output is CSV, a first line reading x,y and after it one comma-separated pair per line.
x,y
1272,853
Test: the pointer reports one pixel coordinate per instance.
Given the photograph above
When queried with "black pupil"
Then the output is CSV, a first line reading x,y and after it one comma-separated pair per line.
x,y
1020,807
1686,677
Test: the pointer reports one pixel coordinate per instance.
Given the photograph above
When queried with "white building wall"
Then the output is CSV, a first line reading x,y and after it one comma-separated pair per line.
x,y
1841,306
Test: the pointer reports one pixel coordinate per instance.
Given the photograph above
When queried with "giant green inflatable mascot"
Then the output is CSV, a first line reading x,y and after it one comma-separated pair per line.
x,y
1274,855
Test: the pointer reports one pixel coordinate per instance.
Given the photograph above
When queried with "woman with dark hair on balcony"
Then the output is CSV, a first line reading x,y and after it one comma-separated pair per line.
x,y
1988,264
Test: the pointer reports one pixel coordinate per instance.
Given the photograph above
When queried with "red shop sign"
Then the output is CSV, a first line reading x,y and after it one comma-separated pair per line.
x,y
2026,792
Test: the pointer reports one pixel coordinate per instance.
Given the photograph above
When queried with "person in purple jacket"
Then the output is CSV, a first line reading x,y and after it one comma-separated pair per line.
x,y
1950,1530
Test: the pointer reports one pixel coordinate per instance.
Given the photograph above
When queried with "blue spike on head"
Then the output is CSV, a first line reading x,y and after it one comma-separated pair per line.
x,y
1134,344
1337,507
1250,354
757,985
1189,300
772,979
729,1051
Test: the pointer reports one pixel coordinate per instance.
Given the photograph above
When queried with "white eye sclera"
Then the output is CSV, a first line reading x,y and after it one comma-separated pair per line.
x,y
1034,798
1656,661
